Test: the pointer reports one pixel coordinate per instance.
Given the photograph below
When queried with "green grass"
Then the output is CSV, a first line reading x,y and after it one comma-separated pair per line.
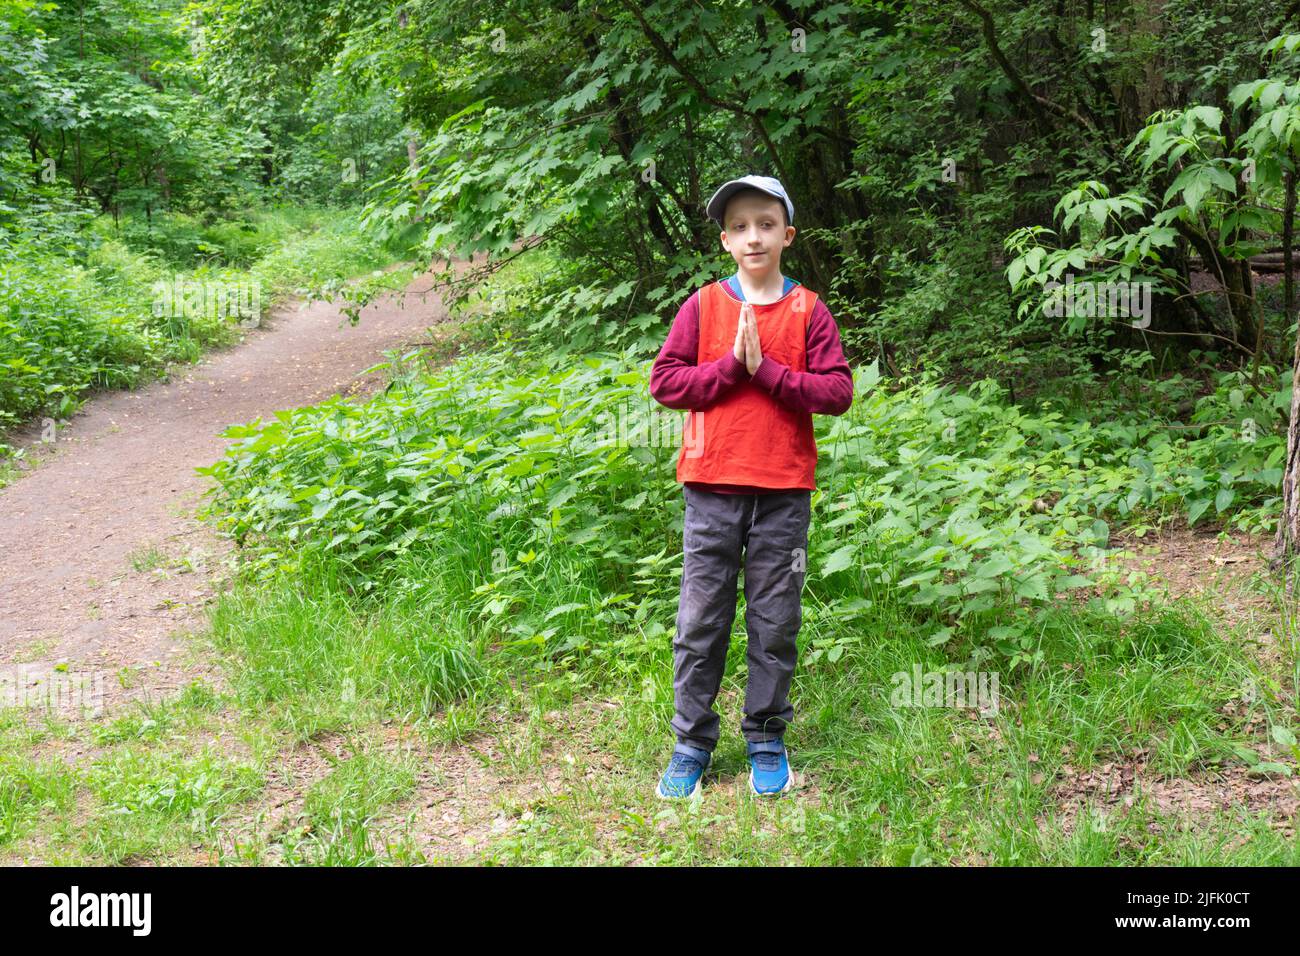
x,y
142,785
311,659
146,559
903,785
340,809
881,784
151,803
28,788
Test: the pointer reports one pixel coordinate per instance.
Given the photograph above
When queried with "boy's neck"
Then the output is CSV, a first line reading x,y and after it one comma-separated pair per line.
x,y
761,290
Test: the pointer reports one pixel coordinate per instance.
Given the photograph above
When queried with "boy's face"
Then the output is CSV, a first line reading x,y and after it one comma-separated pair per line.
x,y
754,232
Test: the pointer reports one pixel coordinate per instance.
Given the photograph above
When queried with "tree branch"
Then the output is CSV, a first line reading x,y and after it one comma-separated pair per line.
x,y
1037,104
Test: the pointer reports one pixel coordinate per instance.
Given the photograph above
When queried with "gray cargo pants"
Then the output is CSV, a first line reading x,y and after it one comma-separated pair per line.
x,y
772,529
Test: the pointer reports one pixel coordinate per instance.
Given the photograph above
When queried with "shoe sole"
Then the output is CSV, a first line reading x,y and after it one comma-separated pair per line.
x,y
789,785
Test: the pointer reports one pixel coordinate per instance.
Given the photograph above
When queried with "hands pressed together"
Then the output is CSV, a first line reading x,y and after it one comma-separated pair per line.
x,y
746,348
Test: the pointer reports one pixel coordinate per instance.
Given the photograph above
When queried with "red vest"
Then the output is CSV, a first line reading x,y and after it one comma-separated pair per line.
x,y
748,437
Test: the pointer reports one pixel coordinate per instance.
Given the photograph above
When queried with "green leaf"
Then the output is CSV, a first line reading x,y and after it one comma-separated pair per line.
x,y
1211,116
1270,767
1066,582
1222,178
563,609
839,560
940,636
1015,271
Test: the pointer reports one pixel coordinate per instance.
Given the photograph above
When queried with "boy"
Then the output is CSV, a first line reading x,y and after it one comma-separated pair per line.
x,y
753,357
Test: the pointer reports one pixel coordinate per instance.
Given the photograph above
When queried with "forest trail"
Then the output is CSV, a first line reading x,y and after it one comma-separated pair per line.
x,y
76,586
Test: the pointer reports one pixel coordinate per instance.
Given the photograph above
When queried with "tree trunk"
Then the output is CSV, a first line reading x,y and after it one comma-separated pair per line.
x,y
413,161
1288,525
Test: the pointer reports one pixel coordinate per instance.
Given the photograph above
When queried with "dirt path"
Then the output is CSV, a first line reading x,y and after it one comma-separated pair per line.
x,y
76,585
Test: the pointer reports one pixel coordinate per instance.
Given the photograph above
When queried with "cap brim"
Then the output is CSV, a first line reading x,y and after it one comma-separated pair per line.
x,y
718,204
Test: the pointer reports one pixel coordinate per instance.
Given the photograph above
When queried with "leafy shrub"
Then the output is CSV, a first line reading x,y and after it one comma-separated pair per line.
x,y
503,482
85,319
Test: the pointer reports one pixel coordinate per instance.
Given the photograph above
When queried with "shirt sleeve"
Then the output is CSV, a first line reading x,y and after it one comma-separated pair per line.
x,y
827,387
676,381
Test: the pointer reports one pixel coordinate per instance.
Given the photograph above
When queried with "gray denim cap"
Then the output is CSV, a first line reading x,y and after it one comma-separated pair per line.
x,y
718,204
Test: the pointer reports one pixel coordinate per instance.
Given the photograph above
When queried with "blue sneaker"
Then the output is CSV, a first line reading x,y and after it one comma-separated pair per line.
x,y
769,770
685,770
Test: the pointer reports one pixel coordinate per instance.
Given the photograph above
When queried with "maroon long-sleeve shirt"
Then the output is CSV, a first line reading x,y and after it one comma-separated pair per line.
x,y
677,381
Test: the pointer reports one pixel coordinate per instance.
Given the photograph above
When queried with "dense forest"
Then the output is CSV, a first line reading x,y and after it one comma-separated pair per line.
x,y
1057,237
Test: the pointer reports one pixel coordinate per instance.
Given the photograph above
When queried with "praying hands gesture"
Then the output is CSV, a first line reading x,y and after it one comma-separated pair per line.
x,y
747,349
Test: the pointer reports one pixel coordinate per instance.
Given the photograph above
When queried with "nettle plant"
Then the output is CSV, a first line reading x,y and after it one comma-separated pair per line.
x,y
1038,273
962,509
541,500
525,502
1224,203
